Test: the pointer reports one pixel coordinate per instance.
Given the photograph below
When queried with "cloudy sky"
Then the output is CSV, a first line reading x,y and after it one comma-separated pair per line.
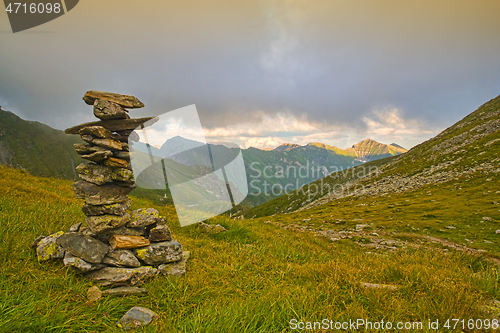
x,y
262,73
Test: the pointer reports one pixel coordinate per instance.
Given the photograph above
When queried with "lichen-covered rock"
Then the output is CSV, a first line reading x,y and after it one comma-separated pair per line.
x,y
101,174
212,228
176,268
75,227
160,233
143,217
160,253
124,291
94,294
119,209
78,264
116,276
47,248
121,258
135,318
101,195
102,223
106,110
124,155
123,231
126,101
127,242
84,247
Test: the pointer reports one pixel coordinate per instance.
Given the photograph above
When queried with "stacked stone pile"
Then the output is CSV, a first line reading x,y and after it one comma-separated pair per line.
x,y
117,247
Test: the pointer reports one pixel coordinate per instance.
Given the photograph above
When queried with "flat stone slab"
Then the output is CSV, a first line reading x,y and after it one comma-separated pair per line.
x,y
101,195
101,174
106,110
175,268
115,209
136,317
160,253
103,223
126,101
115,276
82,246
124,291
115,125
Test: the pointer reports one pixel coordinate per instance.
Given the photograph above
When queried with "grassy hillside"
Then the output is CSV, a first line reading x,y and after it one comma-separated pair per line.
x,y
258,275
36,147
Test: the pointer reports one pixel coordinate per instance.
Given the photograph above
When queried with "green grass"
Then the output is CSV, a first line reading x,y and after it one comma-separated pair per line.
x,y
255,277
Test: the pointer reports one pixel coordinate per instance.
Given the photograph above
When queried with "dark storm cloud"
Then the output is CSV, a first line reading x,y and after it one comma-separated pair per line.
x,y
334,61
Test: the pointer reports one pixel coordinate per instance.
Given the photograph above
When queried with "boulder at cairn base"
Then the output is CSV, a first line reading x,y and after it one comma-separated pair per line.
x,y
103,223
85,247
160,253
127,242
47,248
114,209
115,276
106,110
135,318
126,101
101,174
143,217
121,258
101,195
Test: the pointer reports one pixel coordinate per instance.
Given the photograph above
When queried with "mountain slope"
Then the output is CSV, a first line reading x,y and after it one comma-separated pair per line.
x,y
470,148
36,147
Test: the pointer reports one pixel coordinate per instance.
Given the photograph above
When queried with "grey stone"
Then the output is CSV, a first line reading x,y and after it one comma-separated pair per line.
x,y
176,268
160,233
143,217
124,155
124,291
160,253
47,248
101,174
113,209
106,110
75,227
102,223
84,247
121,258
135,318
85,149
101,195
116,276
78,264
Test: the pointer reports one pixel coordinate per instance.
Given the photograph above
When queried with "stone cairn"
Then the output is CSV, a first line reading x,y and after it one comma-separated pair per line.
x,y
116,248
